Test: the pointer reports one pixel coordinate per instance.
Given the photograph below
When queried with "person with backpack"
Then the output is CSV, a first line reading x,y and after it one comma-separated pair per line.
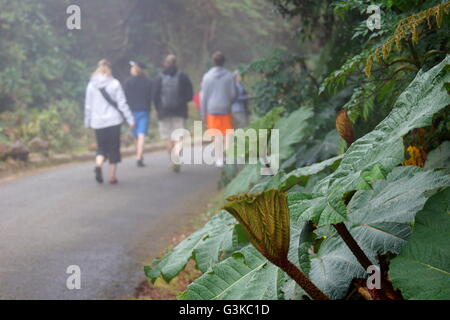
x,y
219,92
138,91
106,109
240,106
173,91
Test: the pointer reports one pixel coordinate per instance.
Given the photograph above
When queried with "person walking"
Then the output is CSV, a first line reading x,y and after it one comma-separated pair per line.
x,y
173,91
106,109
138,91
219,92
240,106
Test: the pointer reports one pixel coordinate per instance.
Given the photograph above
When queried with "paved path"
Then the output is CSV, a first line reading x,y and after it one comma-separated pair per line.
x,y
61,217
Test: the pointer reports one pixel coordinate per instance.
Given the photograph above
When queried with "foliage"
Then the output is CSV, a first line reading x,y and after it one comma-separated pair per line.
x,y
391,74
282,77
383,146
440,157
292,130
379,220
34,59
246,179
422,269
407,29
246,268
59,125
365,190
300,176
379,216
288,138
215,237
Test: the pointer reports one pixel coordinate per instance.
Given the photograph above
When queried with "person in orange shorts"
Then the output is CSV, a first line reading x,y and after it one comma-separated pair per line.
x,y
219,92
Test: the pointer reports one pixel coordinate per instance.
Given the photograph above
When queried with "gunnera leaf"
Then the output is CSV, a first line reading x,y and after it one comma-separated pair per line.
x,y
204,245
379,220
415,108
422,270
439,157
265,217
246,275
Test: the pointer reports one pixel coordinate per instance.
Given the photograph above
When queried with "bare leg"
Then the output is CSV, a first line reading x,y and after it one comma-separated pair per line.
x,y
99,161
174,150
140,143
178,147
219,150
112,172
169,146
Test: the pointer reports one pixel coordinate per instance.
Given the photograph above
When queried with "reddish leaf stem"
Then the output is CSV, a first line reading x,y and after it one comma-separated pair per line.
x,y
353,245
303,281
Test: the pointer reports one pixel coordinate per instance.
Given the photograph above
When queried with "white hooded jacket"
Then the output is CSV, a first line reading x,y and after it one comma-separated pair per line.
x,y
99,113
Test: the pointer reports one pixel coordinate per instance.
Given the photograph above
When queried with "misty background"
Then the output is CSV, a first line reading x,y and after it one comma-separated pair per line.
x,y
41,61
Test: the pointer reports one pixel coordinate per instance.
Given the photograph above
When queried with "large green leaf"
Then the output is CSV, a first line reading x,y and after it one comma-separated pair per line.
x,y
246,275
379,220
267,183
414,108
219,240
269,120
301,175
248,177
292,130
321,149
290,290
175,261
205,246
439,157
422,270
298,176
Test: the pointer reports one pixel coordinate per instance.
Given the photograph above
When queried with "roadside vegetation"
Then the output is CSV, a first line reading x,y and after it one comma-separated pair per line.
x,y
363,118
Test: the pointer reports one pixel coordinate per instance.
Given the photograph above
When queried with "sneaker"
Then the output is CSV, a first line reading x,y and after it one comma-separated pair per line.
x,y
140,163
219,164
114,181
98,174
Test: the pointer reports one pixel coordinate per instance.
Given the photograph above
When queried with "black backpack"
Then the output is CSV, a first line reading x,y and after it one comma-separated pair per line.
x,y
170,91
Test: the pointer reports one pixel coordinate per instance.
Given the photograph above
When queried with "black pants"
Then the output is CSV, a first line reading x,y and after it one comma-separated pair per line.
x,y
108,143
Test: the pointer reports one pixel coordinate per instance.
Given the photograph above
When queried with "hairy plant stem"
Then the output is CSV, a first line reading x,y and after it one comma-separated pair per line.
x,y
342,230
353,245
361,257
303,281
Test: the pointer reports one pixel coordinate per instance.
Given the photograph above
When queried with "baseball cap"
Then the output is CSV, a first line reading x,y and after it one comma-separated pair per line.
x,y
139,64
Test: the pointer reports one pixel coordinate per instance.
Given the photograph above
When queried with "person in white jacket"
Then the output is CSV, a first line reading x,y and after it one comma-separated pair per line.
x,y
106,109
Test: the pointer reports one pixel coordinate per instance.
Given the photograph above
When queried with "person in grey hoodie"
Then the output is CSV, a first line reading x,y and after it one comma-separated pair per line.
x,y
106,109
219,92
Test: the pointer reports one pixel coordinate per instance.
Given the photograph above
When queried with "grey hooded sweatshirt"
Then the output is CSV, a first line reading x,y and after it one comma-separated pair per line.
x,y
99,113
218,92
